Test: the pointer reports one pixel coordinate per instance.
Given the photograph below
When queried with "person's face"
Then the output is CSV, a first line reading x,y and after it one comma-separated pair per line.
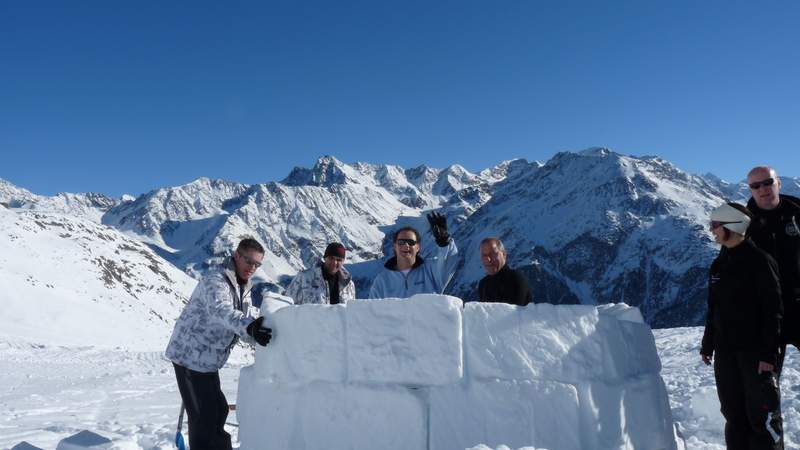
x,y
765,193
332,264
718,232
493,259
247,263
404,250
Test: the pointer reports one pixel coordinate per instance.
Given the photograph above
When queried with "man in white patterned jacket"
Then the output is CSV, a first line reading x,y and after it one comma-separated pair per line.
x,y
327,283
219,312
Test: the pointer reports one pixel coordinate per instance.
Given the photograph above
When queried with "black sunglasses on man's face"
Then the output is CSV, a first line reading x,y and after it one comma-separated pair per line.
x,y
757,184
409,242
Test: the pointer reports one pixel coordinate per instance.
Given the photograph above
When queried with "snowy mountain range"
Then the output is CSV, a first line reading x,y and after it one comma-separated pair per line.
x,y
69,281
588,227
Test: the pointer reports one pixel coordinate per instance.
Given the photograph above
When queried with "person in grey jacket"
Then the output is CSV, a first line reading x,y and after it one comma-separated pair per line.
x,y
407,273
218,314
327,283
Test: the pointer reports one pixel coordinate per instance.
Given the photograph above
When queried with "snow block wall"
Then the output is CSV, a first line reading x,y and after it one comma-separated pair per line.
x,y
427,373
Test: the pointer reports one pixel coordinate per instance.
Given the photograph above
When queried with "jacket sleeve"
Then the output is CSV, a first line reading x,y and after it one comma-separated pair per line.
x,y
707,345
218,300
293,290
768,287
443,264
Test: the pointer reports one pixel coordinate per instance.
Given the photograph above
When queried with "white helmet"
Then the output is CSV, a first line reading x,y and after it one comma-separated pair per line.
x,y
731,218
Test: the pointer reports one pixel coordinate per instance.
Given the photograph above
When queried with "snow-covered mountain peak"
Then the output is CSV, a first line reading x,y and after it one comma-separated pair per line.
x,y
89,206
197,200
596,151
586,220
327,171
9,193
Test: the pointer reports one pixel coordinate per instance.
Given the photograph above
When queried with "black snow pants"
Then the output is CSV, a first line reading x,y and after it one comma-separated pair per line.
x,y
206,407
750,402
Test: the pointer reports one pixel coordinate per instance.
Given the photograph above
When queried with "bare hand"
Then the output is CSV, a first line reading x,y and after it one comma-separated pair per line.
x,y
706,359
765,367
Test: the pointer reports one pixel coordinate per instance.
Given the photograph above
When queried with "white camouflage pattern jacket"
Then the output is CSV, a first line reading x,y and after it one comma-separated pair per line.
x,y
211,323
309,286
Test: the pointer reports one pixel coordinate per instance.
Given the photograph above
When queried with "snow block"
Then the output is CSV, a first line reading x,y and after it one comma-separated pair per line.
x,y
84,440
634,415
629,350
621,311
308,344
561,343
415,342
533,342
517,414
325,415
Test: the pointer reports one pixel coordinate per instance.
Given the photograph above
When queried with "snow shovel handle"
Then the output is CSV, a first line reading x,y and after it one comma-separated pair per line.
x,y
179,443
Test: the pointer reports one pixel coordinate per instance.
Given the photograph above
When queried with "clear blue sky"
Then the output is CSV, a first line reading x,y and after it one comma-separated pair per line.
x,y
123,97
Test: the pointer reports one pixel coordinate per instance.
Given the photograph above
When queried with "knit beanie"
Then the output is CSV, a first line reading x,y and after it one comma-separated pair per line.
x,y
334,249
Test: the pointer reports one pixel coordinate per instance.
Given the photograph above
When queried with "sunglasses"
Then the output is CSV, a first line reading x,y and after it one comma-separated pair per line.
x,y
250,262
714,224
409,242
757,184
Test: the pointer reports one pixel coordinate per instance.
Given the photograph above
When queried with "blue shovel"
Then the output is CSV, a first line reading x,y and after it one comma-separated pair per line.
x,y
178,435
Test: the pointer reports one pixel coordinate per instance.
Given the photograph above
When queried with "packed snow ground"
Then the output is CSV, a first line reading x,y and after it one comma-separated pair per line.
x,y
130,397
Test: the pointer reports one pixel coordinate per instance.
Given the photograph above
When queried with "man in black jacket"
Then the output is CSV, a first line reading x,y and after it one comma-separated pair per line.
x,y
502,283
776,230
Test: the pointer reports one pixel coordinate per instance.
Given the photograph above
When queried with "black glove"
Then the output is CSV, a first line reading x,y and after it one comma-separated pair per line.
x,y
438,224
260,333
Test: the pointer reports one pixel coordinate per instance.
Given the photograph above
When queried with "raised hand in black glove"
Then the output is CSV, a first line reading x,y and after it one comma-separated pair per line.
x,y
438,224
260,333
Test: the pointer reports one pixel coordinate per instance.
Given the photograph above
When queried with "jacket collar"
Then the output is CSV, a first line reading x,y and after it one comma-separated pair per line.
x,y
502,270
391,264
229,270
344,275
784,199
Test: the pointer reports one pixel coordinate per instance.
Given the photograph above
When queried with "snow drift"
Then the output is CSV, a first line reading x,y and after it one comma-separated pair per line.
x,y
425,373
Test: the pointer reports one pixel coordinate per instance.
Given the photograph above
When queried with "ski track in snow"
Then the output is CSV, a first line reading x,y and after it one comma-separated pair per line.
x,y
51,392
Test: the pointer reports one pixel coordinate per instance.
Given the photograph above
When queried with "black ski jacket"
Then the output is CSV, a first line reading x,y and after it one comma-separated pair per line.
x,y
744,303
777,232
506,286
